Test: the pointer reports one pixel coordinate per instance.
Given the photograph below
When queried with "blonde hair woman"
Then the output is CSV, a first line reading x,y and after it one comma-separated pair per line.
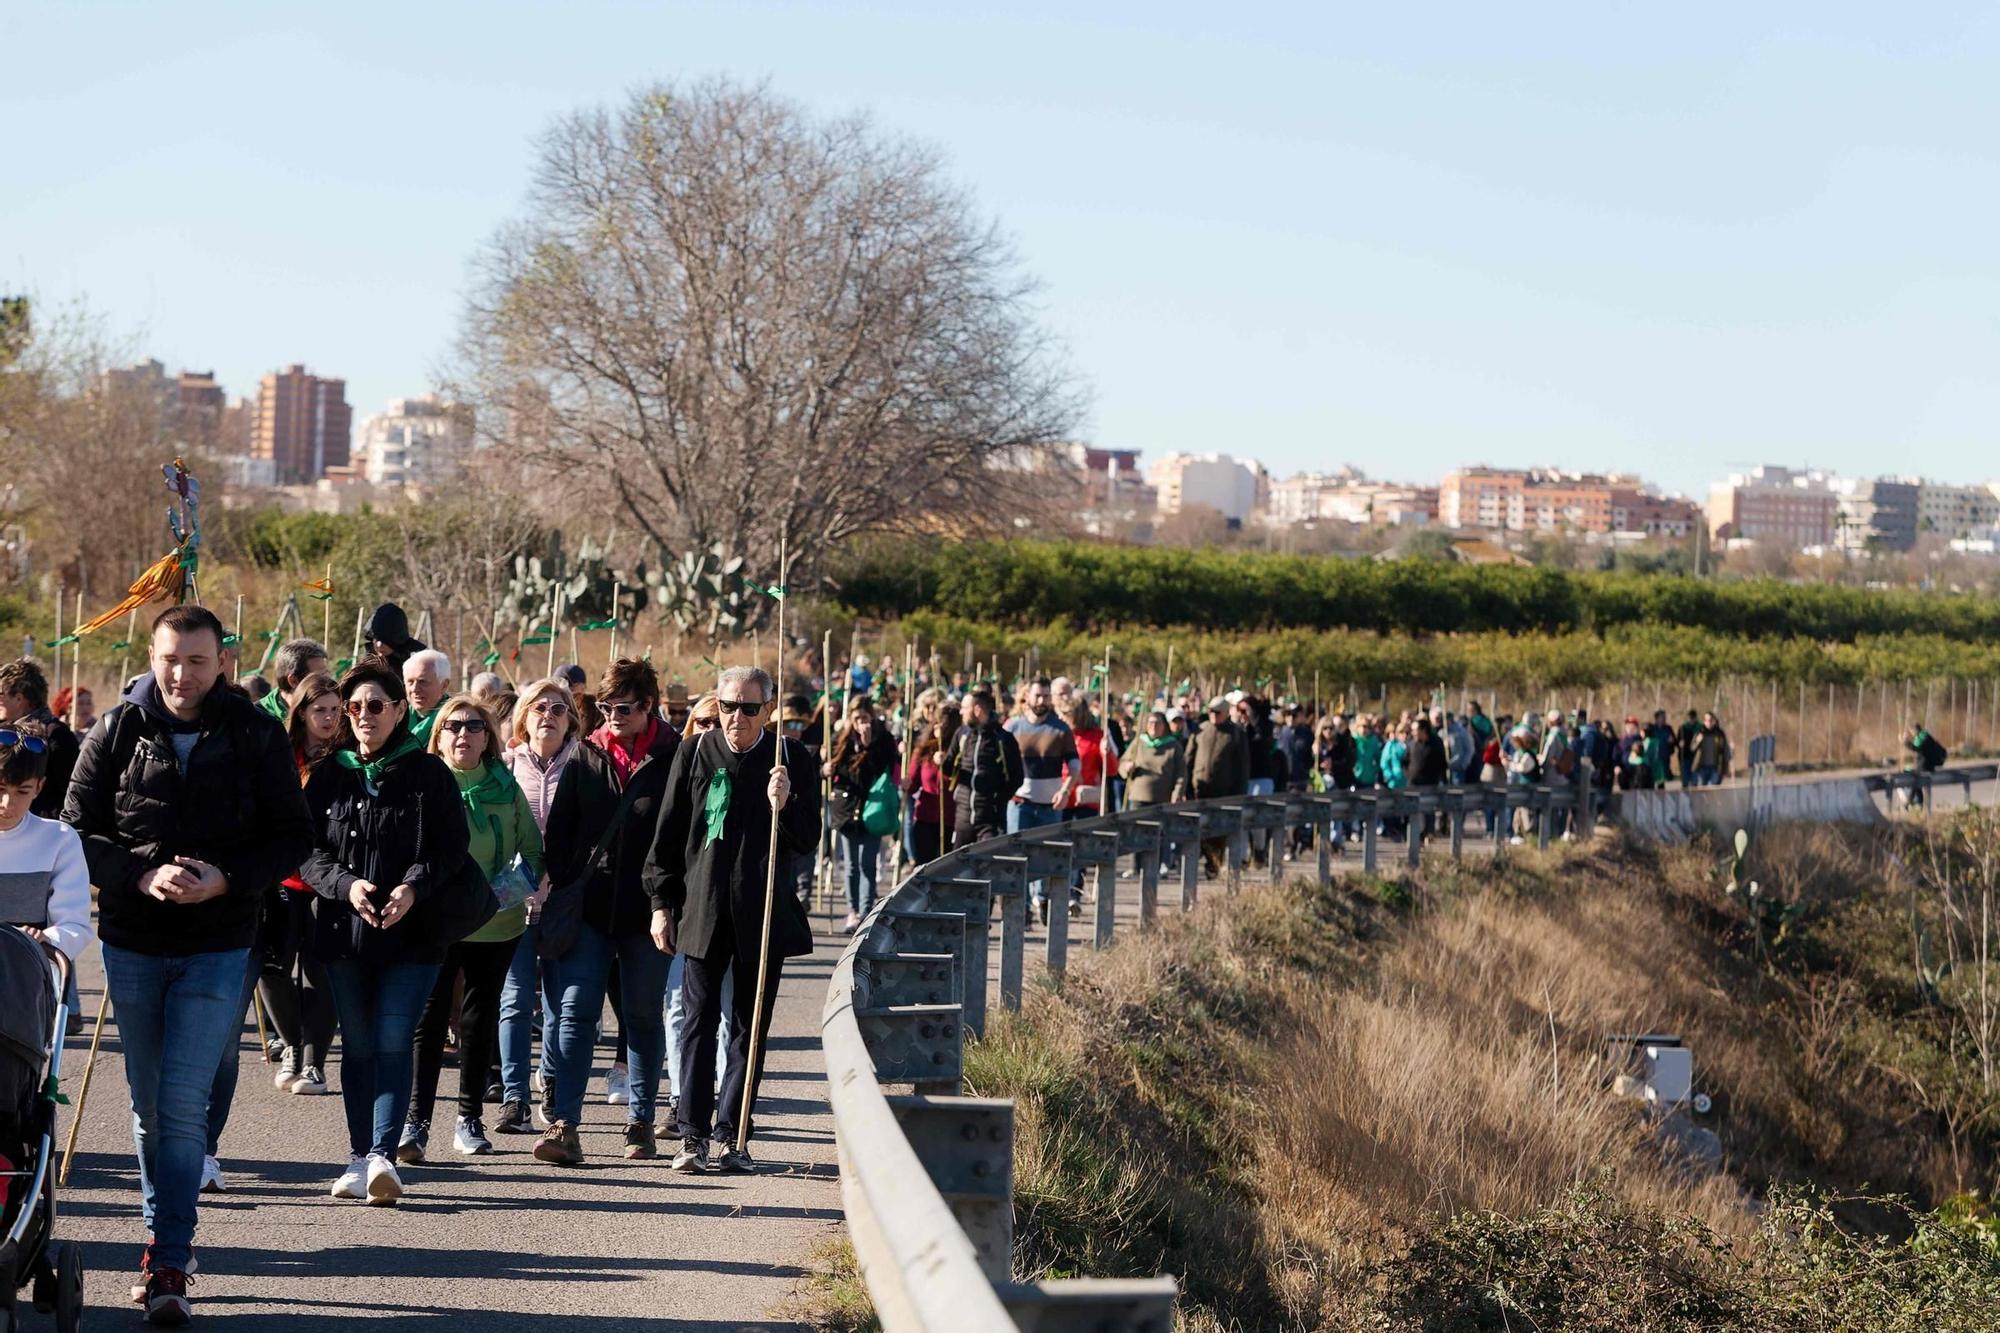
x,y
502,830
545,730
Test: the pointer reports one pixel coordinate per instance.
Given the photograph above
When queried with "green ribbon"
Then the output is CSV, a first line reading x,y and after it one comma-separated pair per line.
x,y
342,665
268,634
534,639
600,624
371,769
320,596
121,644
715,806
64,641
775,592
231,640
491,658
483,643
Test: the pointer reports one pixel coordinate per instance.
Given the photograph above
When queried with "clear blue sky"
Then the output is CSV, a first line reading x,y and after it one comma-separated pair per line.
x,y
1674,239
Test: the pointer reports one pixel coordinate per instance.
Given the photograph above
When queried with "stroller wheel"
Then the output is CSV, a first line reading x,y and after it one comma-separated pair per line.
x,y
69,1287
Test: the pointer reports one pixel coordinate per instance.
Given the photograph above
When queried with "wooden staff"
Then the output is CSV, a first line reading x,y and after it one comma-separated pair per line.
x,y
57,687
770,900
617,596
326,607
825,781
238,632
358,614
83,1093
1104,802
125,655
555,614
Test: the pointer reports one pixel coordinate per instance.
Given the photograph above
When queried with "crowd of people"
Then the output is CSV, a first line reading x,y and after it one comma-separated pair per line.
x,y
416,877
385,868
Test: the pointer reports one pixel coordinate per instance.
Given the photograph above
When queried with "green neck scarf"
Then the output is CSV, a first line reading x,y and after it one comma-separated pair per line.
x,y
371,769
715,809
1160,743
489,784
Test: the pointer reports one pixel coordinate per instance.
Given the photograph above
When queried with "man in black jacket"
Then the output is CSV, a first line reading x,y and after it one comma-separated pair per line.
x,y
707,879
618,774
985,769
190,811
24,697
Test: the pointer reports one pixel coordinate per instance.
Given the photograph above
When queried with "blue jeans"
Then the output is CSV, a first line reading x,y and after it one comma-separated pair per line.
x,y
517,1023
863,851
579,977
224,1092
674,1017
378,1008
1025,815
1707,777
176,1018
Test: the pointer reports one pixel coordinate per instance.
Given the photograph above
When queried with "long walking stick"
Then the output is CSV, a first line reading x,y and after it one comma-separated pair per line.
x,y
83,1093
263,1036
770,900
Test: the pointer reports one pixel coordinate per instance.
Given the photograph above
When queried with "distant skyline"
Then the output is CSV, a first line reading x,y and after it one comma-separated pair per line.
x,y
1678,242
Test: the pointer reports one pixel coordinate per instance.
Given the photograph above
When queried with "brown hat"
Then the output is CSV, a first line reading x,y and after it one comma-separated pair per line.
x,y
677,695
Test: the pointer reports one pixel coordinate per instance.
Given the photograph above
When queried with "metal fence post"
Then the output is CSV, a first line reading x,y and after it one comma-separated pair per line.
x,y
1368,839
1149,888
1105,881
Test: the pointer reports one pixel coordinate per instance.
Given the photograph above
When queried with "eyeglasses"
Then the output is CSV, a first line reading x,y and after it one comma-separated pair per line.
x,y
741,705
553,708
469,725
617,710
372,707
705,723
32,744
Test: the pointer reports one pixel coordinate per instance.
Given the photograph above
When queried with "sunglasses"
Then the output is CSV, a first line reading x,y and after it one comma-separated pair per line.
x,y
705,723
472,726
740,705
372,707
32,744
552,708
617,710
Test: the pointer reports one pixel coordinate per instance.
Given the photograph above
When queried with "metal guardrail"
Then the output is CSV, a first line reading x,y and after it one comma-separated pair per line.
x,y
1917,783
926,1176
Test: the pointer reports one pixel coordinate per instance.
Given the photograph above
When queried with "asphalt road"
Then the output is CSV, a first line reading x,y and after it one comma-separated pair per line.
x,y
500,1242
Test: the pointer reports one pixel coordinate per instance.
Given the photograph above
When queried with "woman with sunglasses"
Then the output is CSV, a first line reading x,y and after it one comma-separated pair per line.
x,y
293,983
546,730
863,752
388,825
609,795
502,831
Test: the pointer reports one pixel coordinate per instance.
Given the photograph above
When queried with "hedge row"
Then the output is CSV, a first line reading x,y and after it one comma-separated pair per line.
x,y
1096,586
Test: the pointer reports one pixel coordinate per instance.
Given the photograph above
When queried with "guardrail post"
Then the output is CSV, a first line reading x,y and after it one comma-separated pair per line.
x,y
1149,889
1239,852
1368,836
1414,836
1190,873
1543,816
974,897
967,1147
1105,878
1586,809
1502,817
1457,817
1323,843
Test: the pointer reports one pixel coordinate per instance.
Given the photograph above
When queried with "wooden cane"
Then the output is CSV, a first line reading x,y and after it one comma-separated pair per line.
x,y
770,899
263,1036
83,1093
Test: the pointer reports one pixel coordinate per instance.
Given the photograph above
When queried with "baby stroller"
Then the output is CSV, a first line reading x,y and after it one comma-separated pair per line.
x,y
33,1022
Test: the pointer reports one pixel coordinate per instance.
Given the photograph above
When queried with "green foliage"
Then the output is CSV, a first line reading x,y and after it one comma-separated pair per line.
x,y
1590,1263
1491,659
1021,584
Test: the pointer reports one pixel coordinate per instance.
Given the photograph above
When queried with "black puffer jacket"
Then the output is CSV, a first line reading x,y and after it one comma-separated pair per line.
x,y
587,796
62,748
409,829
237,806
855,769
985,768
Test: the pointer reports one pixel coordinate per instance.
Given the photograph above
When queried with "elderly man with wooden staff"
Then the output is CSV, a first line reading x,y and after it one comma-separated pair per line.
x,y
709,878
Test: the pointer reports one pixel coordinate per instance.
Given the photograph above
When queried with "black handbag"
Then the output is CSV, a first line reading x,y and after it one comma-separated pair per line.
x,y
562,914
460,904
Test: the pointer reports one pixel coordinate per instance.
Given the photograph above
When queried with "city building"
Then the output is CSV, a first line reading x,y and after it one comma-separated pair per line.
x,y
1231,488
1876,515
1347,496
303,425
417,442
1777,505
1955,511
1546,500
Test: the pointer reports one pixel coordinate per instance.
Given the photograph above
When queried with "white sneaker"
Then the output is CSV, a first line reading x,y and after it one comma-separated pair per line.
x,y
211,1177
353,1182
1516,841
309,1083
618,1086
535,1080
384,1185
288,1070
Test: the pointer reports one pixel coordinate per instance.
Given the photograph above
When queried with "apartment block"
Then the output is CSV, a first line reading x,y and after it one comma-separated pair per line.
x,y
304,425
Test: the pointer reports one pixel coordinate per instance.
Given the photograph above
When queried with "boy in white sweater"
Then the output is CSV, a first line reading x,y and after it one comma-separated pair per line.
x,y
44,882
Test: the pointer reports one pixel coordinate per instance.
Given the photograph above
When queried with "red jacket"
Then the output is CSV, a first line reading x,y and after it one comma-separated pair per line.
x,y
1099,765
923,780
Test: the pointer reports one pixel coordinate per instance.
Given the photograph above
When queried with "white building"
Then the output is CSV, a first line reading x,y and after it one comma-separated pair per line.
x,y
417,442
1955,511
1231,488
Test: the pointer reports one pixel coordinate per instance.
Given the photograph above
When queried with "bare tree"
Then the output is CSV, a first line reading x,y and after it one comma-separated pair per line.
x,y
745,324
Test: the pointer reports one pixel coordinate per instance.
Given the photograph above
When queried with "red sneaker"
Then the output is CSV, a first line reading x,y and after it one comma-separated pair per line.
x,y
167,1298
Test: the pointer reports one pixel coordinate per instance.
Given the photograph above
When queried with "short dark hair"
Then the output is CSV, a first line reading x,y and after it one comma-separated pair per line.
x,y
634,676
984,698
24,677
18,763
1042,683
376,671
189,618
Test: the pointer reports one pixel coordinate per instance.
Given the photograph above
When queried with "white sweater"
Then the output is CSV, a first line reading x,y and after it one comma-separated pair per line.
x,y
51,849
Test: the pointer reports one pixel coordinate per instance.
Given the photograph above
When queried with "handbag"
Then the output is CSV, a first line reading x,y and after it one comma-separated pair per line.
x,y
459,904
562,914
882,812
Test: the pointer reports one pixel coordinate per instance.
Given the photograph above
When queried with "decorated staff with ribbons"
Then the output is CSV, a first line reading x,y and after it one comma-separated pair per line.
x,y
709,877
